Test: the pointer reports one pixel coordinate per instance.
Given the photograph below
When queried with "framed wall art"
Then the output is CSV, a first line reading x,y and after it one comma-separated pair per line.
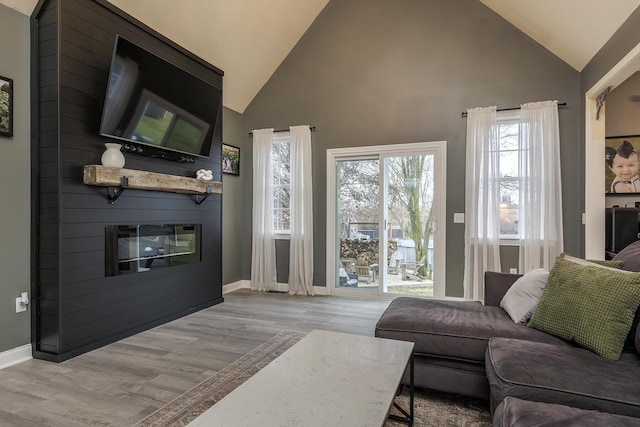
x,y
230,160
622,158
6,106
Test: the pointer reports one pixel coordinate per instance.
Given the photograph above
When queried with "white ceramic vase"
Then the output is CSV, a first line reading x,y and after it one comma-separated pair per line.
x,y
112,156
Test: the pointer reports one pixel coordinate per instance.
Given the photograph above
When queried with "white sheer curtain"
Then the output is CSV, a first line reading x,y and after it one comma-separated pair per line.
x,y
263,251
541,187
301,244
482,197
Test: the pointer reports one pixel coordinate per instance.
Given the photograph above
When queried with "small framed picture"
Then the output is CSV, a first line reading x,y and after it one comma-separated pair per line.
x,y
6,106
622,158
230,159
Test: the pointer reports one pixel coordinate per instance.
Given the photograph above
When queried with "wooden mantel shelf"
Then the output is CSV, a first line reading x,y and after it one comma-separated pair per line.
x,y
103,176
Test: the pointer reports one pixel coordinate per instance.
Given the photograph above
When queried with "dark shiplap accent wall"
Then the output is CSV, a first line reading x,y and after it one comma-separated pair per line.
x,y
78,307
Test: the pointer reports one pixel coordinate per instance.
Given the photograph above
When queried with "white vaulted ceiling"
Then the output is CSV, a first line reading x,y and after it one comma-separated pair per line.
x,y
247,39
574,30
232,35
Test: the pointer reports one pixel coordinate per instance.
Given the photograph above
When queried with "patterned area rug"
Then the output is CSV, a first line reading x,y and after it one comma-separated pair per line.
x,y
435,409
431,409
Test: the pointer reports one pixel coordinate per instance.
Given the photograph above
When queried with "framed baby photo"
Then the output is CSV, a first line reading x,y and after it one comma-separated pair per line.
x,y
6,106
230,160
621,165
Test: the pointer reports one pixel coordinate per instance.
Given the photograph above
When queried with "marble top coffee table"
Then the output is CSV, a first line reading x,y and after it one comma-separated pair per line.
x,y
326,379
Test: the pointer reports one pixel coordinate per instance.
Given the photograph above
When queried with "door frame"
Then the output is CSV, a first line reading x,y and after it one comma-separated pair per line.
x,y
593,217
440,177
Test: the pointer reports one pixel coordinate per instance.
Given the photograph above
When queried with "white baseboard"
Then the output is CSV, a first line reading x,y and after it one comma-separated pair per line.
x,y
15,356
280,287
320,290
234,286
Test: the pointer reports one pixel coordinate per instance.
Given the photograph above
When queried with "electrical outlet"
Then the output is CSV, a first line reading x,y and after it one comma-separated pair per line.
x,y
513,270
458,218
20,306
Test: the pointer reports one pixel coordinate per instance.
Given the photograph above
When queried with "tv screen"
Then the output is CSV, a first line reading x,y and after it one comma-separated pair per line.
x,y
152,102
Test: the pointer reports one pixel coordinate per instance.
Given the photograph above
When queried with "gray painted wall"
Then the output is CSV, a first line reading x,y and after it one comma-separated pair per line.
x,y
509,258
15,187
371,72
622,113
231,201
624,39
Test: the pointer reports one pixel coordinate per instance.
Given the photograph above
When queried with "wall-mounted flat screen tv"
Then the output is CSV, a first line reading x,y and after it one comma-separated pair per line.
x,y
152,102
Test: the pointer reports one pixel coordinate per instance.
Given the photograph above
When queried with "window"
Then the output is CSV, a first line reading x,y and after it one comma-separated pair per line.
x,y
281,163
509,175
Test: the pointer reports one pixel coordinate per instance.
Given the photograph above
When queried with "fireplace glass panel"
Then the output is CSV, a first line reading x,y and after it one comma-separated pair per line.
x,y
140,248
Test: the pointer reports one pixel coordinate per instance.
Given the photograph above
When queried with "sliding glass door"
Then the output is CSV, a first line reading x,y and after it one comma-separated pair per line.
x,y
358,221
409,215
384,206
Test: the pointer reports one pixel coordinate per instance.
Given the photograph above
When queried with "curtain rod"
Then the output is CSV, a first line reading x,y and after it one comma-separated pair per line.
x,y
560,104
311,128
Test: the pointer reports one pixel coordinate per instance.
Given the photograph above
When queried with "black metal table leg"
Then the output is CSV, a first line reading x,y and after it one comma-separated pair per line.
x,y
411,390
407,417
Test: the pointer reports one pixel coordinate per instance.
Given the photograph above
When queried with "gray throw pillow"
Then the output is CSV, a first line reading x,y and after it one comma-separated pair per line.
x,y
523,296
630,257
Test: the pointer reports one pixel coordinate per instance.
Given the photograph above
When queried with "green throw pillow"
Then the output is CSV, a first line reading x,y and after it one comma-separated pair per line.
x,y
588,304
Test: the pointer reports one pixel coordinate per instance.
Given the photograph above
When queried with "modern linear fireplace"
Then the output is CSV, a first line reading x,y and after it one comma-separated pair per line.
x,y
140,248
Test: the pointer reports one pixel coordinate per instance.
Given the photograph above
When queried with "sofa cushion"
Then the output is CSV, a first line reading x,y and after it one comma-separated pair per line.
x,y
566,375
588,304
608,263
630,257
496,285
450,376
517,412
522,297
451,329
630,343
638,340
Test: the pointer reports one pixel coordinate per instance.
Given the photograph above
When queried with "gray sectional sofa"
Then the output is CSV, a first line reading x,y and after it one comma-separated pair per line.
x,y
477,350
451,337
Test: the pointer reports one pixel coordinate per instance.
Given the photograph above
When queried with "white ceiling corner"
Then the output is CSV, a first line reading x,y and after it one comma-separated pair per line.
x,y
574,30
23,6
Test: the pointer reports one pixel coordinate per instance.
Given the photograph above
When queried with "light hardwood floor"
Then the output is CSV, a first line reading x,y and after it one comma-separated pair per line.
x,y
119,384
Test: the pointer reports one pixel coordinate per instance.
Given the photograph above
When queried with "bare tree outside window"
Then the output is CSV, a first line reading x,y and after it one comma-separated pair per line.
x,y
411,185
410,198
509,171
358,195
281,163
